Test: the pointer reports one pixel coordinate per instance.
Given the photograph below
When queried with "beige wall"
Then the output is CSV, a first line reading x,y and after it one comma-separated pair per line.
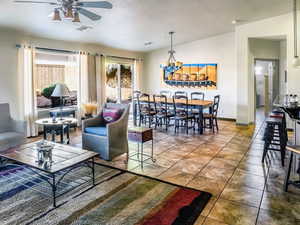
x,y
8,58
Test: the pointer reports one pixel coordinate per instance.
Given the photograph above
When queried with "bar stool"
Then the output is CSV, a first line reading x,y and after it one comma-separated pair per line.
x,y
275,137
281,115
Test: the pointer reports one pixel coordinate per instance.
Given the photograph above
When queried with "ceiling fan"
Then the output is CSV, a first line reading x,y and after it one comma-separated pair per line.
x,y
72,8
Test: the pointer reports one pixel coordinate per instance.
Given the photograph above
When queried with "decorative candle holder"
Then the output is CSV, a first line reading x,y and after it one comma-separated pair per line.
x,y
44,153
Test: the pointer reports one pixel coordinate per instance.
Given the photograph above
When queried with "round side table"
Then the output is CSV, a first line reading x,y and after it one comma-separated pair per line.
x,y
57,125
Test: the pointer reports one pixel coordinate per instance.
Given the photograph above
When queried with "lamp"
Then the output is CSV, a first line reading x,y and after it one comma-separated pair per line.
x,y
296,61
56,15
61,90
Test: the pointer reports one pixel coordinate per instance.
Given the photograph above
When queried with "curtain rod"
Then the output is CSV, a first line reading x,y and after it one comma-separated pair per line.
x,y
75,52
120,57
51,49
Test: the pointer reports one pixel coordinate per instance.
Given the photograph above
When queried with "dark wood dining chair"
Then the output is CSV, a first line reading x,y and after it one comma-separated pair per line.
x,y
163,114
168,94
146,109
197,96
136,94
195,110
180,93
212,116
182,115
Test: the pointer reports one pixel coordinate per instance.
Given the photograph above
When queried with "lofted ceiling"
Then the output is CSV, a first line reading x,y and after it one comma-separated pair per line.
x,y
131,23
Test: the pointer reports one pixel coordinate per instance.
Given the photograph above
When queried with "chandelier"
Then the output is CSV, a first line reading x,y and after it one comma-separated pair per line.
x,y
172,65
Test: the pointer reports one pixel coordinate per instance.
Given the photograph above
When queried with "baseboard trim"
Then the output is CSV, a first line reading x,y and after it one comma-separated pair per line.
x,y
227,119
243,124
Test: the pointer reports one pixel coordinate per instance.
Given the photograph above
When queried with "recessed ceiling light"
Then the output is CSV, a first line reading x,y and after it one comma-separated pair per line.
x,y
148,43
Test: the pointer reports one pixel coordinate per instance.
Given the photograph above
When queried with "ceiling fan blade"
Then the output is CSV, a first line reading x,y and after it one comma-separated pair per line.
x,y
51,3
89,14
100,4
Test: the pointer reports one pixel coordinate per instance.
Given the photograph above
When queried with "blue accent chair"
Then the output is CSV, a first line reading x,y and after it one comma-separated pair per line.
x,y
12,132
107,139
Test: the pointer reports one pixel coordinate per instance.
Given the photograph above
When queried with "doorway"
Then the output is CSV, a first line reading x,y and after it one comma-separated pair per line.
x,y
266,85
119,82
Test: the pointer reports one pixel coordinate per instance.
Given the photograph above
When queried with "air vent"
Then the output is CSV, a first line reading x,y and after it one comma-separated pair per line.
x,y
148,43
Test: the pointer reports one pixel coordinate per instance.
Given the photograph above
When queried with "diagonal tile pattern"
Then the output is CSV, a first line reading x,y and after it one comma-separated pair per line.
x,y
226,164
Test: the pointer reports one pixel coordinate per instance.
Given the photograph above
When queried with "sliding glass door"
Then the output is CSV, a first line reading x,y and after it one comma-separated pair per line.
x,y
119,82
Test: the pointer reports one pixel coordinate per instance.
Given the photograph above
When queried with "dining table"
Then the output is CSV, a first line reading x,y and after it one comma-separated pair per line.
x,y
193,103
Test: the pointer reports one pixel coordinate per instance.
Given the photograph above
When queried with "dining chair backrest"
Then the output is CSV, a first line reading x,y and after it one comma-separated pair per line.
x,y
136,94
180,93
144,103
160,103
180,104
168,94
216,105
197,96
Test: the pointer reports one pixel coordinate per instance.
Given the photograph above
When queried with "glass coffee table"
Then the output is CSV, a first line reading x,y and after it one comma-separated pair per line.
x,y
60,173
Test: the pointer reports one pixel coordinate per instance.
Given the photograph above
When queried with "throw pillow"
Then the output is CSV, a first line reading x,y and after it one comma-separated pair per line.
x,y
112,114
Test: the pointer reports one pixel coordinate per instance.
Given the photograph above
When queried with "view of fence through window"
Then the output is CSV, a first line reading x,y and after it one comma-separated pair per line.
x,y
118,83
53,68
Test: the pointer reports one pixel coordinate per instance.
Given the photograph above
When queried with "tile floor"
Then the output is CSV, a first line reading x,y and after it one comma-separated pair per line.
x,y
226,164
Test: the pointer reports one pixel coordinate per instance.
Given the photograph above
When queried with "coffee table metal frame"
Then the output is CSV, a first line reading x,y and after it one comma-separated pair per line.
x,y
54,178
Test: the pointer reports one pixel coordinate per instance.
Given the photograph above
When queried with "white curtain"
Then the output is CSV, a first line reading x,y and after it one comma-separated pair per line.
x,y
27,89
138,70
100,80
72,72
83,93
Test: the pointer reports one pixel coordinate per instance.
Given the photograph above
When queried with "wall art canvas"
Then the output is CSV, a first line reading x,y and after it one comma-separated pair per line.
x,y
193,75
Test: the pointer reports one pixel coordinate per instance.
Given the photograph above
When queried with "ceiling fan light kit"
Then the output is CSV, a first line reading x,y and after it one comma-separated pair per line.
x,y
76,18
56,15
69,13
72,8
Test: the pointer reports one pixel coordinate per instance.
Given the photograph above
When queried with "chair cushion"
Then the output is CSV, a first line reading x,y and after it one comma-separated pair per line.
x,y
112,114
100,131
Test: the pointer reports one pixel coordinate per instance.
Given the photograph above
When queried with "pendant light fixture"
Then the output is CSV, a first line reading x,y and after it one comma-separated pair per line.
x,y
296,61
172,65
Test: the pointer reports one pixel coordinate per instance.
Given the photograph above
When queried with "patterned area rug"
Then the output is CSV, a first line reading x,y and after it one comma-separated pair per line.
x,y
119,198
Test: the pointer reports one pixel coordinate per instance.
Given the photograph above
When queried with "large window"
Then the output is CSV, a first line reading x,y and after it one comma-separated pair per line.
x,y
53,68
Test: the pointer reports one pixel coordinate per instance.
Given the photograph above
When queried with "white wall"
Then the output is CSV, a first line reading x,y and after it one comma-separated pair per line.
x,y
282,67
263,49
276,26
219,49
8,59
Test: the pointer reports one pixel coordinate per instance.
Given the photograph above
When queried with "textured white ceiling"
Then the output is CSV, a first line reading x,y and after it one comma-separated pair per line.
x,y
131,23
